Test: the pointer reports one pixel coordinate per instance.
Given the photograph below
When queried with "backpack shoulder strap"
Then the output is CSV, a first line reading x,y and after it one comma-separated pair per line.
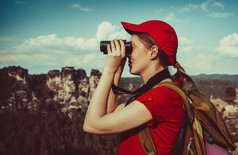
x,y
144,135
181,93
147,141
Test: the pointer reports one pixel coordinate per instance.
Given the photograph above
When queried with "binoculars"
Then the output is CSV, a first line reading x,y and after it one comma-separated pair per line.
x,y
103,46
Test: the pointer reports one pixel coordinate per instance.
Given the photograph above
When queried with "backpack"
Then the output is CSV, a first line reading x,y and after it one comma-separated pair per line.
x,y
203,125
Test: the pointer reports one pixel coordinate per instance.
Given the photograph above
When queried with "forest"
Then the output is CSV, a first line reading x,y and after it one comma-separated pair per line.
x,y
32,122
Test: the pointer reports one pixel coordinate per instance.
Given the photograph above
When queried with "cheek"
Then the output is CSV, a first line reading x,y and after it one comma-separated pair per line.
x,y
139,56
138,53
139,60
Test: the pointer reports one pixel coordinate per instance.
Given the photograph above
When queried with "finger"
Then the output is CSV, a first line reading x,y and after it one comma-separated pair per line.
x,y
109,49
117,46
123,62
123,48
112,46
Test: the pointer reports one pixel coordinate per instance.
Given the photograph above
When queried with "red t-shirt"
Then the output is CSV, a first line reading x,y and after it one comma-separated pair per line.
x,y
166,108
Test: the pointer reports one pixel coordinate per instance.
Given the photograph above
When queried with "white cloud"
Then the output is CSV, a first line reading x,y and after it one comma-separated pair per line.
x,y
59,51
159,11
20,2
31,59
190,7
78,6
205,6
200,63
50,43
85,60
86,9
75,5
208,6
229,45
185,41
195,58
171,17
107,31
218,5
185,44
204,62
220,14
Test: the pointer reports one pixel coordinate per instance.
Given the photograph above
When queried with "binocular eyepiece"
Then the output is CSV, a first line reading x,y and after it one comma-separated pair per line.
x,y
103,46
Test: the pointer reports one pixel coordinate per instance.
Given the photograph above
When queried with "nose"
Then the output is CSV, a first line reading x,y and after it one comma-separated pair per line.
x,y
128,54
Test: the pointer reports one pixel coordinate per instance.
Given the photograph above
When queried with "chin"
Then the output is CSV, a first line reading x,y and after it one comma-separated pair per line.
x,y
134,72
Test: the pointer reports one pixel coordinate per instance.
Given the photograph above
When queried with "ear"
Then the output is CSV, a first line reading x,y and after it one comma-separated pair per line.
x,y
154,52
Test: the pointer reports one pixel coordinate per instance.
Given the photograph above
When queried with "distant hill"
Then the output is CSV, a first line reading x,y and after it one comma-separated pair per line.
x,y
232,78
223,77
212,85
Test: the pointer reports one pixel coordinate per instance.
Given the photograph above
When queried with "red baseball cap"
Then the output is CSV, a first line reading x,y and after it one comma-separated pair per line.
x,y
161,32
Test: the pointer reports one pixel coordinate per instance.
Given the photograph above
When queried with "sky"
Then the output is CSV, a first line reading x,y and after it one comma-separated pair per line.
x,y
42,35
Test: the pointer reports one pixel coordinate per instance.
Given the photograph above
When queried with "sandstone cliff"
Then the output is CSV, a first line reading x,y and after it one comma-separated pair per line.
x,y
68,93
71,88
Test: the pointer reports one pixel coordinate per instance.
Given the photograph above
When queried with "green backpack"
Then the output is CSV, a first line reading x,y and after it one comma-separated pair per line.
x,y
203,123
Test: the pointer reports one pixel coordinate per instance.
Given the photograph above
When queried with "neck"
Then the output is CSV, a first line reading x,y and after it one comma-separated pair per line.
x,y
150,73
150,83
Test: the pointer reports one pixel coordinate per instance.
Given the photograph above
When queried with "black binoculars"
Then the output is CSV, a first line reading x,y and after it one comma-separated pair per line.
x,y
103,46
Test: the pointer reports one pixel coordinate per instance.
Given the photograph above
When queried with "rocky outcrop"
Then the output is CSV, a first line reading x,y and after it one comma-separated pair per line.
x,y
14,88
230,115
93,82
46,99
83,89
73,90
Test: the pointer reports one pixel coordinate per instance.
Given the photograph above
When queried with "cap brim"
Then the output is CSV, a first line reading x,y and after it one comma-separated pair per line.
x,y
132,28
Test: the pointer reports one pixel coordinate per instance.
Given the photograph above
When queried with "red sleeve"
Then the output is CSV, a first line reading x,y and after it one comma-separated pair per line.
x,y
160,102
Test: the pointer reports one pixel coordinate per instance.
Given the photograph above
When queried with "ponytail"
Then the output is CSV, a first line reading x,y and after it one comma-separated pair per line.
x,y
186,82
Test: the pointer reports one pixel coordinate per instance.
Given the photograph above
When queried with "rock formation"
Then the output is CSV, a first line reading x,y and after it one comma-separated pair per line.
x,y
14,88
73,90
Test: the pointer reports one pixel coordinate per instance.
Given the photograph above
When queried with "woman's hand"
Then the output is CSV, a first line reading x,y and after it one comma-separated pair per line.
x,y
116,57
102,116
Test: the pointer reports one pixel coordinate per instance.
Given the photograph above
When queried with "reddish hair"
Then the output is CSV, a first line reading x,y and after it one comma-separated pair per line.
x,y
185,81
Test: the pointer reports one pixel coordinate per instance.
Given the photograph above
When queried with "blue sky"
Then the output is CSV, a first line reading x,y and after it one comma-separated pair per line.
x,y
42,35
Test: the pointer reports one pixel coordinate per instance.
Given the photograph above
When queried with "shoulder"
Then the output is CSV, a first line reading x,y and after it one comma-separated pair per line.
x,y
162,102
161,92
161,96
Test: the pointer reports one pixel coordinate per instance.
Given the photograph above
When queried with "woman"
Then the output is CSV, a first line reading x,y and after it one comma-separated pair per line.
x,y
154,47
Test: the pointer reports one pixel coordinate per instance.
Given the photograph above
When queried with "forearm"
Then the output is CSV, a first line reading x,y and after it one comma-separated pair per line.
x,y
98,104
101,105
112,104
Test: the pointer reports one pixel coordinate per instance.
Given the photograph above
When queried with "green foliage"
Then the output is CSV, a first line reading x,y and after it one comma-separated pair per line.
x,y
214,87
37,83
47,131
232,78
230,94
44,130
7,84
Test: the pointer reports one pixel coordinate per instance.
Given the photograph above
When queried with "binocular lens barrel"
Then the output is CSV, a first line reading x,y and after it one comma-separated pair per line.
x,y
103,46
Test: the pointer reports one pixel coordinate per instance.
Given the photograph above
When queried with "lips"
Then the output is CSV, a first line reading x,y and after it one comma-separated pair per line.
x,y
129,63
